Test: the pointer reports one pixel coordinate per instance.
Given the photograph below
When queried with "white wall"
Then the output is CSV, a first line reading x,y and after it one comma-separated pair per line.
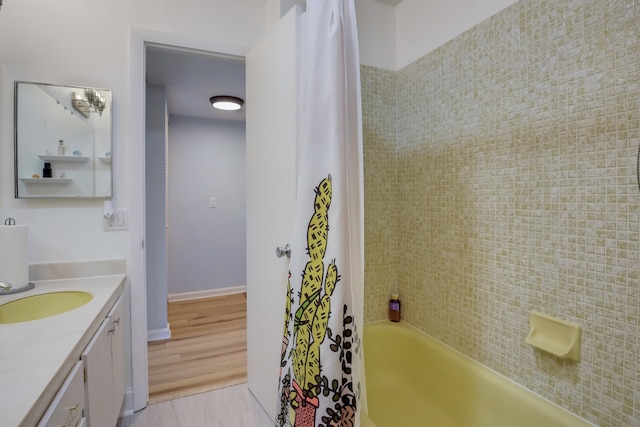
x,y
276,9
207,247
376,34
422,26
155,210
393,37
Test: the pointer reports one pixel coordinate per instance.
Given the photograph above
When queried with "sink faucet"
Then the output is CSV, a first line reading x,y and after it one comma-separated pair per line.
x,y
5,286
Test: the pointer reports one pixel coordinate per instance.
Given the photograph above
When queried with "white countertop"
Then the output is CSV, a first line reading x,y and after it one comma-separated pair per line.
x,y
36,356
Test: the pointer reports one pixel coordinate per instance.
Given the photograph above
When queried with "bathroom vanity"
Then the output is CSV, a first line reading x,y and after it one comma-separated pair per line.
x,y
66,369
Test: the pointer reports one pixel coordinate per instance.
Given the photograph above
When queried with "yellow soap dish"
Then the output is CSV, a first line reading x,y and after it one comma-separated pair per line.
x,y
556,336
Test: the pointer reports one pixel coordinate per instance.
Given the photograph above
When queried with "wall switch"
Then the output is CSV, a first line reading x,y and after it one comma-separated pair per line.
x,y
213,203
118,221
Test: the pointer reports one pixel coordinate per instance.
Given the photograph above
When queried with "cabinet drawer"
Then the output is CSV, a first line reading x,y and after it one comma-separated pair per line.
x,y
68,404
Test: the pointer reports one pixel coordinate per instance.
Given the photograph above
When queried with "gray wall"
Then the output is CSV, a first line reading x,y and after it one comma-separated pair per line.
x,y
156,232
206,245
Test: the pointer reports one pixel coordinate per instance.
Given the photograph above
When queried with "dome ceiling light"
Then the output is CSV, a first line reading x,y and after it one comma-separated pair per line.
x,y
227,103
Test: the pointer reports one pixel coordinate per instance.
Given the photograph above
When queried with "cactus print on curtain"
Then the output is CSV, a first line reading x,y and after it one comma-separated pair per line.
x,y
321,369
305,382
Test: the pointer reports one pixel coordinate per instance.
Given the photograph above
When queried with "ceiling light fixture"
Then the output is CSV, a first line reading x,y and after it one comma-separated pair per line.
x,y
93,101
228,103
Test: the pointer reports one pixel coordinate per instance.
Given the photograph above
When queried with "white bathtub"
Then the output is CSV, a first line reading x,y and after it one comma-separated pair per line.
x,y
414,380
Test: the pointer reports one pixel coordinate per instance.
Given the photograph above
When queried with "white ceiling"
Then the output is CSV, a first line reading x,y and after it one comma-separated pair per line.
x,y
192,77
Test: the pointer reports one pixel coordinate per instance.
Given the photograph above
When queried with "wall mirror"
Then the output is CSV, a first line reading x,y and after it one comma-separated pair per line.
x,y
62,141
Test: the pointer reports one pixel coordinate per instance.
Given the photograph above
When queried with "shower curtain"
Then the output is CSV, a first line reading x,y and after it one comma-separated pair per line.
x,y
322,376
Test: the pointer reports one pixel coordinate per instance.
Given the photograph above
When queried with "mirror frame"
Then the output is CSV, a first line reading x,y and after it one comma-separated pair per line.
x,y
106,158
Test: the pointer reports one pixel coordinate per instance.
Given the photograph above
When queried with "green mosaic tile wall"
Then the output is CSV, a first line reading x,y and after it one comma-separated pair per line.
x,y
380,192
500,177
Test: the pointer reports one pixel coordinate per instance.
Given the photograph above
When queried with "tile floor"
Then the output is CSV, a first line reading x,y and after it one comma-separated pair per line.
x,y
228,407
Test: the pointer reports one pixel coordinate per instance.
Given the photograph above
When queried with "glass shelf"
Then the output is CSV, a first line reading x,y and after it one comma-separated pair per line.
x,y
50,158
46,180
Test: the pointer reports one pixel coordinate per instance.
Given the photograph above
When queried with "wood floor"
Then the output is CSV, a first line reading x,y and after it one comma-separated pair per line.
x,y
207,349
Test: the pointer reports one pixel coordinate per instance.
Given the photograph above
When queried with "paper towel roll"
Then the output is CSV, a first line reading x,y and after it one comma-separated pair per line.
x,y
14,265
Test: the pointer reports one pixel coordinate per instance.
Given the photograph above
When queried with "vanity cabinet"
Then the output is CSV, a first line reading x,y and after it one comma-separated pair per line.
x,y
66,408
103,361
46,353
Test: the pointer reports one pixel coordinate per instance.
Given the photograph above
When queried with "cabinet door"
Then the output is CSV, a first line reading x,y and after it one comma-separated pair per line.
x,y
104,364
117,355
66,408
98,390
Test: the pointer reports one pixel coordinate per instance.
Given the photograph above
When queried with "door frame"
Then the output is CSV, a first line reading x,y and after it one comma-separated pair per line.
x,y
135,146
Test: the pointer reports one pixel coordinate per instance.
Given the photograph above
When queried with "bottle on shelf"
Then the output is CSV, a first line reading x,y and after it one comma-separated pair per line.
x,y
394,308
46,171
61,148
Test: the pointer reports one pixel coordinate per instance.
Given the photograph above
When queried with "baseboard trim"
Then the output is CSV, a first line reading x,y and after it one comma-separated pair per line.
x,y
159,334
185,296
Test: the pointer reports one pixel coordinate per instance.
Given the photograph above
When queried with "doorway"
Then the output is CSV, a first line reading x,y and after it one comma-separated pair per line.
x,y
194,189
267,327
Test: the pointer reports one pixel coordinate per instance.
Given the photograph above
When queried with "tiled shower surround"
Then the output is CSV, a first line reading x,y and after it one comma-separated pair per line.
x,y
500,178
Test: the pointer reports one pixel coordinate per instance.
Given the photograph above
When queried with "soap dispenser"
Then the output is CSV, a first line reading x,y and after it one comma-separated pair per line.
x,y
61,148
394,308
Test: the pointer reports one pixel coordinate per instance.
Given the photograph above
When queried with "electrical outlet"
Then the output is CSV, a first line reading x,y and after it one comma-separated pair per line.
x,y
213,203
118,221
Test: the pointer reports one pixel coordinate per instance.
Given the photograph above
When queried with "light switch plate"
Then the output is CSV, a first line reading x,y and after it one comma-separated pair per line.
x,y
119,221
